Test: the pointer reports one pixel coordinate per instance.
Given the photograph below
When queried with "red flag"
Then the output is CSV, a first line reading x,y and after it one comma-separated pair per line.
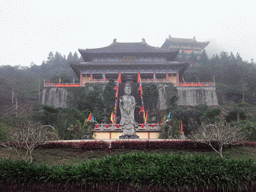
x,y
142,109
119,78
183,80
115,88
140,88
90,117
139,79
181,128
146,118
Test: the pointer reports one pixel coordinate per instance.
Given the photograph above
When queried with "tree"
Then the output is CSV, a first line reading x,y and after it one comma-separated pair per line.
x,y
109,96
26,135
219,135
150,96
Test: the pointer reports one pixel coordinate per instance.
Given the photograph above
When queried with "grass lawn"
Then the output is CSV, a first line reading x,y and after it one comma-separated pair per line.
x,y
71,156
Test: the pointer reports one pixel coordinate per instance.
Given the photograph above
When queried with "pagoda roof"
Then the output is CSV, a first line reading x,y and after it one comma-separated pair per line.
x,y
184,42
137,49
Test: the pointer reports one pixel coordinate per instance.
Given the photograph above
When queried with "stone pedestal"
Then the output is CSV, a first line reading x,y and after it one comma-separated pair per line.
x,y
129,136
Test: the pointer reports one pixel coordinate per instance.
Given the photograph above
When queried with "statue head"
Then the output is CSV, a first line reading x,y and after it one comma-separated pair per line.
x,y
128,89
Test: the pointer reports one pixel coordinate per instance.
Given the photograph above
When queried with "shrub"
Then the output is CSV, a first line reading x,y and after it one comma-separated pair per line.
x,y
155,171
87,145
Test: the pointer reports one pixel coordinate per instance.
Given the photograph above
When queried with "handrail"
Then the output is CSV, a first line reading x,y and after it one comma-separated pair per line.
x,y
184,84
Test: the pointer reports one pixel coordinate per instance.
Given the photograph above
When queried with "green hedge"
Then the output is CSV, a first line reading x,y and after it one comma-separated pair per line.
x,y
137,170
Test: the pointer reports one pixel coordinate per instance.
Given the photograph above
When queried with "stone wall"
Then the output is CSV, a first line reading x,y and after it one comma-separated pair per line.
x,y
55,96
166,92
187,96
191,96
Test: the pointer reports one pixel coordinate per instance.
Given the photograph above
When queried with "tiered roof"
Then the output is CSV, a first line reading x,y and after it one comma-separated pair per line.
x,y
120,50
183,42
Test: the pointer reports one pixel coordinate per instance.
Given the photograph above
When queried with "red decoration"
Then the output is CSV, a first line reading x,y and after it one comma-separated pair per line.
x,y
142,126
107,126
117,126
152,125
159,79
98,80
90,117
140,88
181,128
192,84
66,85
143,79
96,126
142,109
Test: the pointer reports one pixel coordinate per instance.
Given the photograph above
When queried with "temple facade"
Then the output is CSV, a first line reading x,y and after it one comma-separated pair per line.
x,y
128,59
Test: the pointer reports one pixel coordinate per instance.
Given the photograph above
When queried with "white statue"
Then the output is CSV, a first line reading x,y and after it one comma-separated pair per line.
x,y
127,107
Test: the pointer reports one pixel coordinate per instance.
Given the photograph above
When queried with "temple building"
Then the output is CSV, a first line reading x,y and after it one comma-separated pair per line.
x,y
126,62
186,46
128,59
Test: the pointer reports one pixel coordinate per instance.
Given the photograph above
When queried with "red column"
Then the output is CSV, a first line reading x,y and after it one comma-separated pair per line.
x,y
109,135
177,78
148,135
81,77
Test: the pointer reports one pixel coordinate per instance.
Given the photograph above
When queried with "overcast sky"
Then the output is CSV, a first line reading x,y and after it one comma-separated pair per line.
x,y
30,29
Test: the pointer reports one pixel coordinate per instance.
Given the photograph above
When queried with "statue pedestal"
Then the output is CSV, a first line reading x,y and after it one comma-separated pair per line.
x,y
129,136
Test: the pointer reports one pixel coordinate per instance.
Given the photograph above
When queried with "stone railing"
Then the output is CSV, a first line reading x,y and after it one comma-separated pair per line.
x,y
115,127
196,84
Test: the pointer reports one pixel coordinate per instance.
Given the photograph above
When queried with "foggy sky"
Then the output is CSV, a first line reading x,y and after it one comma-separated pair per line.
x,y
30,29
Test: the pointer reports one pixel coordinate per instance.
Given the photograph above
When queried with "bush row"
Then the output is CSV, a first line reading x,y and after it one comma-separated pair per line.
x,y
88,145
95,145
171,172
180,144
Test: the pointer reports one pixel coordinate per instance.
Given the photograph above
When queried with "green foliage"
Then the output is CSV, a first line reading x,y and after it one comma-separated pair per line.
x,y
234,77
248,127
60,118
194,117
150,96
4,132
109,96
157,170
170,130
235,115
81,130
